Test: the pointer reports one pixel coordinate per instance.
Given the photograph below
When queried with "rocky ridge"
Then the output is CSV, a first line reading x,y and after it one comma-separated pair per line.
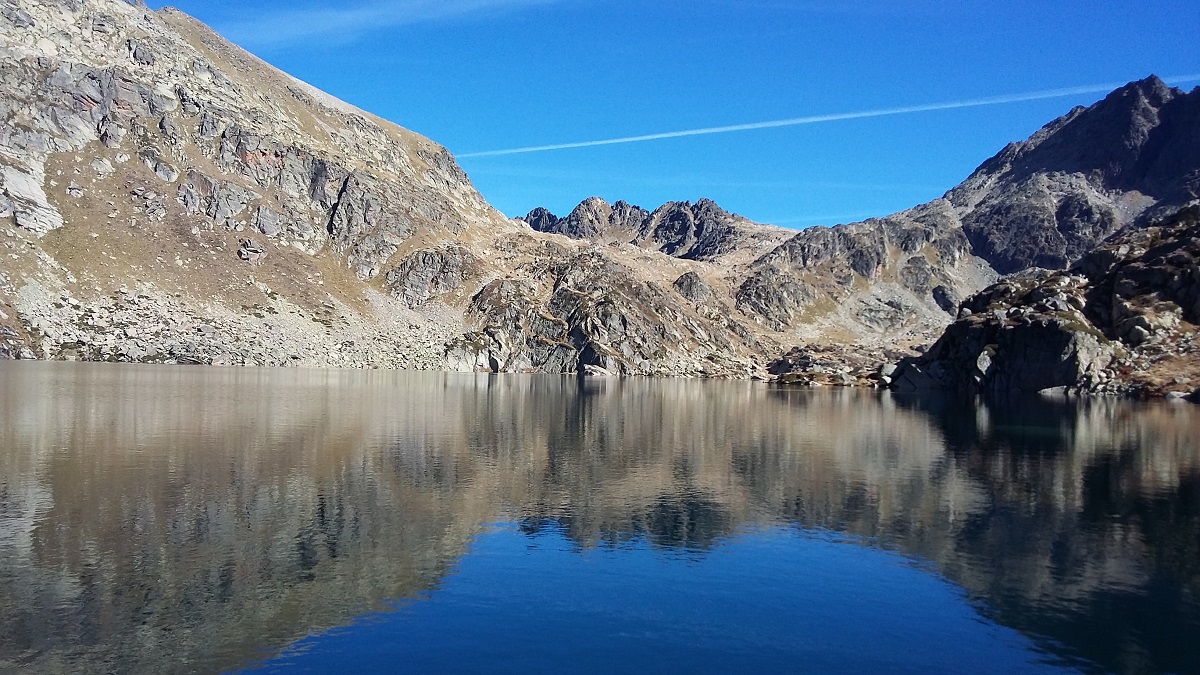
x,y
1129,159
1122,320
896,281
701,231
585,312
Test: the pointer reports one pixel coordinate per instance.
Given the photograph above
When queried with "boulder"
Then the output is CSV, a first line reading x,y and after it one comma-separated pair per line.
x,y
429,273
251,252
692,287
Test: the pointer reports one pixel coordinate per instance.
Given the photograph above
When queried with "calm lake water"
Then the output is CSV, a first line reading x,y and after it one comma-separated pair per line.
x,y
174,519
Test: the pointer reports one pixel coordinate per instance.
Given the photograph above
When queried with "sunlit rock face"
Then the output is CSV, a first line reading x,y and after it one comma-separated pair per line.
x,y
1124,162
248,507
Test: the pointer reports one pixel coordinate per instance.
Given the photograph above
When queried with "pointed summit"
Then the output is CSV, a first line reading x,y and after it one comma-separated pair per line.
x,y
1125,159
1117,140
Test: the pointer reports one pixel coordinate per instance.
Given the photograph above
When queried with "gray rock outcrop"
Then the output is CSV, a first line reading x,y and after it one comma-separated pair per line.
x,y
692,287
590,312
426,274
1121,320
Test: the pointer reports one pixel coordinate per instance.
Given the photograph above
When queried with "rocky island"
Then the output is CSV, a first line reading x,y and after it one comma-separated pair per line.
x,y
167,197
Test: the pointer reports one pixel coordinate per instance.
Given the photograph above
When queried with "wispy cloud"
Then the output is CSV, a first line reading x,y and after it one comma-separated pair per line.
x,y
854,7
344,23
834,117
600,176
820,220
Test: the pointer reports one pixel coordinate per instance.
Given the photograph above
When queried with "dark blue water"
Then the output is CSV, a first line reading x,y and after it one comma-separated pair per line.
x,y
162,519
764,601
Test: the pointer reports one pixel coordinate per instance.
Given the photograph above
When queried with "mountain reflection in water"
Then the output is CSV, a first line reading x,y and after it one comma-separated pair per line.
x,y
200,518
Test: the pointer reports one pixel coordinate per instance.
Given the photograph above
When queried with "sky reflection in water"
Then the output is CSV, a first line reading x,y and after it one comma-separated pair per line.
x,y
768,601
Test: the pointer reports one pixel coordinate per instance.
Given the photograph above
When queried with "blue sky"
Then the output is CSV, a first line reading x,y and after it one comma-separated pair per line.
x,y
486,75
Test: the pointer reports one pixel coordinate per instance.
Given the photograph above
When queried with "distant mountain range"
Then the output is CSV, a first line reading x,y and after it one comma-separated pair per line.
x,y
170,198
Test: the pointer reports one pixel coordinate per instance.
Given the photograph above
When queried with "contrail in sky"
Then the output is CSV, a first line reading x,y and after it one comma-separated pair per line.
x,y
834,117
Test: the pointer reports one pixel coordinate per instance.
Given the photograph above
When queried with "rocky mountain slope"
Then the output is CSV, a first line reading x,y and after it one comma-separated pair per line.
x,y
1121,320
1129,159
139,151
894,281
167,197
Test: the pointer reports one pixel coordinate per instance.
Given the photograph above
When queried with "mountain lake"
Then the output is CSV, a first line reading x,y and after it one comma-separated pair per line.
x,y
193,519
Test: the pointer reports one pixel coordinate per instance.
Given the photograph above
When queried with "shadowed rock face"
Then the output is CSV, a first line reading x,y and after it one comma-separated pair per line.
x,y
1140,137
1126,160
1121,320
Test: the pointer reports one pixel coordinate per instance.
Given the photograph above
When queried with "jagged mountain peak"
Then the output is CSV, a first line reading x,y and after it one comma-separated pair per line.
x,y
1117,140
682,229
1125,160
702,209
